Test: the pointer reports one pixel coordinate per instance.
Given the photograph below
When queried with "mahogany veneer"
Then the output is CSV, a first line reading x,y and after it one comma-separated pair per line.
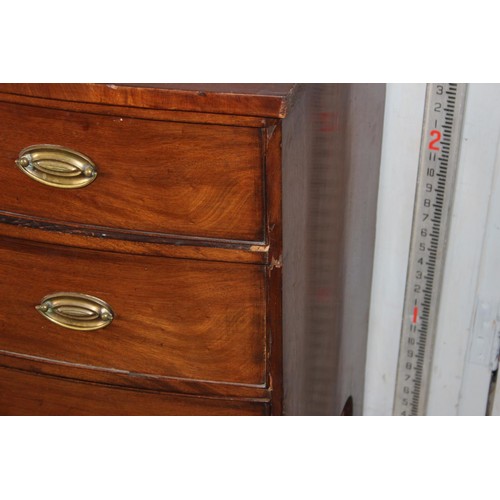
x,y
229,228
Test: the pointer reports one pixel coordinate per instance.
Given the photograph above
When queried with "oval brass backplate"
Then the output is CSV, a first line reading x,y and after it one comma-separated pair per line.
x,y
57,166
76,311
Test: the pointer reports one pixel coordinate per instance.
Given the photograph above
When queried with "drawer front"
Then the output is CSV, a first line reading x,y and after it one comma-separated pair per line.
x,y
23,393
170,317
152,176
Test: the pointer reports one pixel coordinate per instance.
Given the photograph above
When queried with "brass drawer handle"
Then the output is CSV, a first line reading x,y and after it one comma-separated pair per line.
x,y
57,166
76,311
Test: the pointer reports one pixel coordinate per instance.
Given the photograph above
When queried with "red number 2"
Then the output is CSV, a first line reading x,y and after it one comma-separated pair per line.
x,y
437,134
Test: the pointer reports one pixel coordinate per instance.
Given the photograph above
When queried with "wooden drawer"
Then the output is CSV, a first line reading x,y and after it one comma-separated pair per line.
x,y
230,228
153,176
173,317
23,393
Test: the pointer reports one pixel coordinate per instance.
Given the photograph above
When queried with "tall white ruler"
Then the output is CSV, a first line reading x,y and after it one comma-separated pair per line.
x,y
441,135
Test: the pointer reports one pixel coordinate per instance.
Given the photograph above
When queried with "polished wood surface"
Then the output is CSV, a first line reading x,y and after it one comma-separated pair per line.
x,y
230,228
123,378
138,243
262,100
280,90
173,317
173,178
111,109
23,393
275,263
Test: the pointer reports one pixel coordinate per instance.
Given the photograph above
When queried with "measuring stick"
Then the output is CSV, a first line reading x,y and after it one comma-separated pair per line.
x,y
441,136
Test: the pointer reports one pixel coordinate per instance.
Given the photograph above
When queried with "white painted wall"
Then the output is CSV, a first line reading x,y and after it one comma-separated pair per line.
x,y
459,383
404,109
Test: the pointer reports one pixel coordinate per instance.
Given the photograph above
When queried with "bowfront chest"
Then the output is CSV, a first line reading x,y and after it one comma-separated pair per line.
x,y
189,249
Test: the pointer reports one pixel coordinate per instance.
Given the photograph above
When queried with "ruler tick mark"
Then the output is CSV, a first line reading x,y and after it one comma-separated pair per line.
x,y
436,175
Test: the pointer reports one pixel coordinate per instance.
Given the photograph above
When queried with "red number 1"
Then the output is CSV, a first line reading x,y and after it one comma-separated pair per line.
x,y
437,134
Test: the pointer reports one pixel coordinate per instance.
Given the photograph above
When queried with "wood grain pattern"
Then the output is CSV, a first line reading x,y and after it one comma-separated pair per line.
x,y
130,242
131,112
173,317
122,378
235,245
23,393
176,178
274,289
262,100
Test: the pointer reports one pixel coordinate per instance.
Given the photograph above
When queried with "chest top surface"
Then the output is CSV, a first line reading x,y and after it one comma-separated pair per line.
x,y
270,100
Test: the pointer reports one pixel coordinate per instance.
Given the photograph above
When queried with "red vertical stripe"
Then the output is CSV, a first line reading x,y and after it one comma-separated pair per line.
x,y
415,314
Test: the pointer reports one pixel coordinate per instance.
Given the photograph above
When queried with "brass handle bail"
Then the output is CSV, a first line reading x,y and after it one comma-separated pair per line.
x,y
57,166
76,311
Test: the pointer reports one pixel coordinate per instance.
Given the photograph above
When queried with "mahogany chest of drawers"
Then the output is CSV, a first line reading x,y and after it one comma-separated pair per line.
x,y
185,249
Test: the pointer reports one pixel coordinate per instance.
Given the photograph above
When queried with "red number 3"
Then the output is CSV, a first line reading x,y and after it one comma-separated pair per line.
x,y
437,134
